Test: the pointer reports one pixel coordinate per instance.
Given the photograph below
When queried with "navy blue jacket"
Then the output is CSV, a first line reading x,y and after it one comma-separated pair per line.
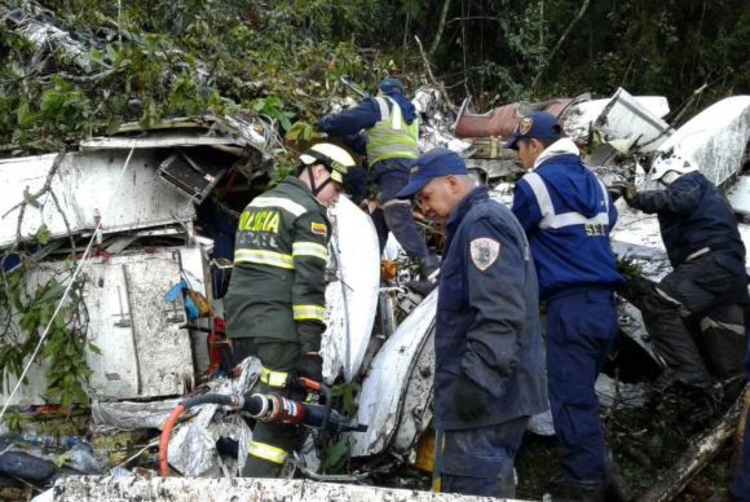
x,y
692,215
488,317
567,215
349,123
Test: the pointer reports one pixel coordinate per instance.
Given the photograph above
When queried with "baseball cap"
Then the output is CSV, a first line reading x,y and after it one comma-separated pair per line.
x,y
390,85
538,125
433,164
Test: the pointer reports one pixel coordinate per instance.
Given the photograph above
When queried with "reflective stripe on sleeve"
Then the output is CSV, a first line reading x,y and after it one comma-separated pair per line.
x,y
267,452
552,220
264,257
310,249
309,313
289,205
273,378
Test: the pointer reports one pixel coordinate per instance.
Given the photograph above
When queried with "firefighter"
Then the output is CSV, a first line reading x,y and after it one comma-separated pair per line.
x,y
489,361
386,129
707,287
275,305
567,214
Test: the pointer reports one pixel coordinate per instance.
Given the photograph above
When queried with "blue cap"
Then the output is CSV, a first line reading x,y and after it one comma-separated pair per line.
x,y
390,85
433,164
538,125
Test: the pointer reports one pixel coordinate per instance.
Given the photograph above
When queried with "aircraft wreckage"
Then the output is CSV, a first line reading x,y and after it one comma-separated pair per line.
x,y
167,243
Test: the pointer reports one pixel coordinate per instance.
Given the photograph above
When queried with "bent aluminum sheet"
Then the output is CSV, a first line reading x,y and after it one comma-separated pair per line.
x,y
85,184
351,299
144,352
175,489
381,402
716,139
625,118
579,117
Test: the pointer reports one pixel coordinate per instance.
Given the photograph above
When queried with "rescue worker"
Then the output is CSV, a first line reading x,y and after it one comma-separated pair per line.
x,y
741,487
708,283
567,214
489,360
275,305
386,129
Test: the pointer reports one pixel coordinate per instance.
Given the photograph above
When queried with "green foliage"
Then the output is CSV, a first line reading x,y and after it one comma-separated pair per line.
x,y
63,350
337,456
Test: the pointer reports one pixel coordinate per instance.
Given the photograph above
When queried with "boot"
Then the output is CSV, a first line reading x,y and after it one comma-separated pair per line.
x,y
562,489
617,486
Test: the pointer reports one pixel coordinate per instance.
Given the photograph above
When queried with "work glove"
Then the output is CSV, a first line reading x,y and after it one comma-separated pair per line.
x,y
310,366
622,189
470,401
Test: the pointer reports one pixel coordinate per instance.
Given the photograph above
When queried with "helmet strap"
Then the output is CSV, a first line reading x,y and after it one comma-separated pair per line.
x,y
313,187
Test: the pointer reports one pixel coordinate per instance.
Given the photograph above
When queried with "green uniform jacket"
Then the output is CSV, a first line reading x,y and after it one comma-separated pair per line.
x,y
277,289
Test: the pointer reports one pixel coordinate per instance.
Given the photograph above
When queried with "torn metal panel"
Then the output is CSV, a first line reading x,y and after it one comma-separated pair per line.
x,y
625,119
96,488
716,139
579,118
417,411
86,186
48,38
352,297
144,350
381,400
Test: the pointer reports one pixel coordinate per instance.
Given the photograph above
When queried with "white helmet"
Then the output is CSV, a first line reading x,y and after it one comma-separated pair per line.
x,y
676,163
334,158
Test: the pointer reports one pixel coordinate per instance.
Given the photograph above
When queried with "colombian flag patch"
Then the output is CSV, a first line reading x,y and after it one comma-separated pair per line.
x,y
319,228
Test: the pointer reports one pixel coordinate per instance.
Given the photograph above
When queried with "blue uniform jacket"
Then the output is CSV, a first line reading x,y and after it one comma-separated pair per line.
x,y
488,320
567,215
692,215
350,123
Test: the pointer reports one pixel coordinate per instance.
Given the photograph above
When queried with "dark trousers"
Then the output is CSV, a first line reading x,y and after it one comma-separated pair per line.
x,y
707,294
479,461
391,178
741,486
581,332
271,443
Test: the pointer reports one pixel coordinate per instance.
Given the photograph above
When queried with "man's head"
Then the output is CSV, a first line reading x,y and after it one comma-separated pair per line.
x,y
391,85
438,182
532,135
325,168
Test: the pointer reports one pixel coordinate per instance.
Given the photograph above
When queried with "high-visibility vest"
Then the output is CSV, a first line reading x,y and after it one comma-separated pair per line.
x,y
392,137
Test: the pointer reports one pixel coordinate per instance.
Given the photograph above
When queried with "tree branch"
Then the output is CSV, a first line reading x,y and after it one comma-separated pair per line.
x,y
440,28
427,66
573,22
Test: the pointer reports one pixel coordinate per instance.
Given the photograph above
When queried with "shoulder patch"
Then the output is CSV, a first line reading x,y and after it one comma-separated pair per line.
x,y
484,252
319,228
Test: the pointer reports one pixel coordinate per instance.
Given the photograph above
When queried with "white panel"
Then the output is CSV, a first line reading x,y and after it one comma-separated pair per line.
x,y
127,316
351,300
84,184
381,401
716,138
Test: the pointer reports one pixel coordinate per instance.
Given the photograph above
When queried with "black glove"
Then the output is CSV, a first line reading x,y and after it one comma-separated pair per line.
x,y
310,366
622,189
470,401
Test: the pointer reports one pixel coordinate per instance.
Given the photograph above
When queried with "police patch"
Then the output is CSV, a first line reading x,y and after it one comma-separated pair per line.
x,y
524,126
484,251
319,228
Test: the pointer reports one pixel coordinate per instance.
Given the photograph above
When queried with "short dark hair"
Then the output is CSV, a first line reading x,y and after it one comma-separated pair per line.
x,y
545,142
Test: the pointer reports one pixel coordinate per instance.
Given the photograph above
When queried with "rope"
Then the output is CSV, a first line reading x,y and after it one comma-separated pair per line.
x,y
77,271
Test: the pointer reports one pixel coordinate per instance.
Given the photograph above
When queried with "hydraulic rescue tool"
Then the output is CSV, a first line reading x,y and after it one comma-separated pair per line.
x,y
269,408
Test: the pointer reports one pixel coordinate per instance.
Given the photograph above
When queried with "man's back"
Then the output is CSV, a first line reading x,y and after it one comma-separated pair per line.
x,y
568,215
